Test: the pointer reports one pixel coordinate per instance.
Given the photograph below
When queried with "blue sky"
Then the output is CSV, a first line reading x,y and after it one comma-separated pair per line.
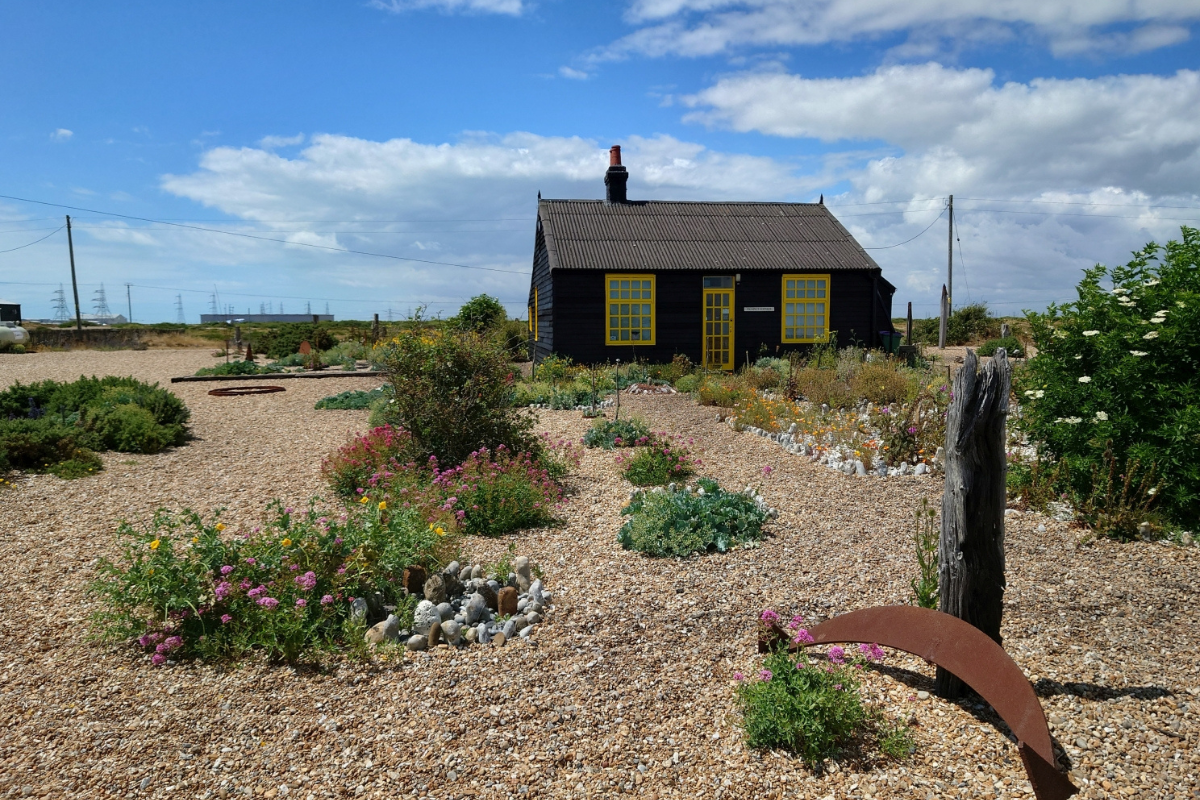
x,y
1069,133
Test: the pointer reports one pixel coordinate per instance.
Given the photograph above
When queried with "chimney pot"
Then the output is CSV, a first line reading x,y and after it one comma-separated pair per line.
x,y
616,178
614,155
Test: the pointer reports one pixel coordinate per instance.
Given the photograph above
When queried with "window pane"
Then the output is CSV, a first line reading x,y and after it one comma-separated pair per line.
x,y
646,286
645,322
624,336
624,284
645,308
612,335
614,309
624,308
821,321
614,294
820,292
635,322
614,322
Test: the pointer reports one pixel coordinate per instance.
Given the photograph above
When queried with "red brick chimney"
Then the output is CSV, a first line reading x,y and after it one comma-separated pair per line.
x,y
616,178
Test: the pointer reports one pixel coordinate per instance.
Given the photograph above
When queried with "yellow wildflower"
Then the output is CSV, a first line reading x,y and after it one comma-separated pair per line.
x,y
440,531
220,527
383,505
365,500
286,543
154,545
195,539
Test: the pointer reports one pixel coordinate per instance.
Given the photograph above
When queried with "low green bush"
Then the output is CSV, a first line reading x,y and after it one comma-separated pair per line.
x,y
182,589
661,460
685,521
239,368
285,339
688,383
1011,345
354,399
607,434
722,392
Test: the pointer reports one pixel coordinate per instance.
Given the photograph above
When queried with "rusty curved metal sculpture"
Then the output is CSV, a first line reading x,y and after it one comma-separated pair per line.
x,y
242,391
972,656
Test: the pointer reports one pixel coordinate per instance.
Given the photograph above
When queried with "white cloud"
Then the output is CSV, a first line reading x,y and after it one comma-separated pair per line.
x,y
709,27
573,74
958,128
273,142
511,7
61,135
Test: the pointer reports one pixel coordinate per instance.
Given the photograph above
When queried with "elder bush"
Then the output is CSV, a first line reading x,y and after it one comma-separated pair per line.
x,y
1120,367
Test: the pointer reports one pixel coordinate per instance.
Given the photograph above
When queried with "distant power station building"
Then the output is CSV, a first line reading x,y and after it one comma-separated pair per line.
x,y
204,318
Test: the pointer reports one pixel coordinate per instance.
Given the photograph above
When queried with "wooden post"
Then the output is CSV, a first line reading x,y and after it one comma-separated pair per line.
x,y
945,319
908,328
971,551
375,330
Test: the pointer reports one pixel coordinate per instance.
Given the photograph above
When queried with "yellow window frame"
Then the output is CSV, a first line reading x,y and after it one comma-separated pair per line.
x,y
624,323
805,314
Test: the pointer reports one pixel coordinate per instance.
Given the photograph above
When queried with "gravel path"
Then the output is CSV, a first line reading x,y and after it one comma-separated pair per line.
x,y
627,686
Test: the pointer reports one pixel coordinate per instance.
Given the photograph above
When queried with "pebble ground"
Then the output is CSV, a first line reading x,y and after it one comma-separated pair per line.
x,y
626,689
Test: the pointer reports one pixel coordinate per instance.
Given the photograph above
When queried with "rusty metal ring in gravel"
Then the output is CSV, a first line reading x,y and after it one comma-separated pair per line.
x,y
967,652
238,391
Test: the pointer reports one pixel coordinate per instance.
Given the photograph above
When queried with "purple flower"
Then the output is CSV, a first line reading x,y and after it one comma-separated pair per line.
x,y
301,603
912,429
837,686
287,510
256,591
158,659
225,570
766,470
737,676
338,540
226,619
803,637
837,655
268,602
327,599
223,589
250,561
795,623
768,616
765,674
306,581
144,641
873,652
173,643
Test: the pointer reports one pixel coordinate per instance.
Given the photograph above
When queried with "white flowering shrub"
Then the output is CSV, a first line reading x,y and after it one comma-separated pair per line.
x,y
1120,368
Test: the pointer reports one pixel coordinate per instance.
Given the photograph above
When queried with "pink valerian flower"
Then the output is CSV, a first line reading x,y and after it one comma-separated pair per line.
x,y
795,623
872,652
225,570
765,674
256,591
226,619
268,602
739,677
803,637
245,584
250,561
837,655
307,581
287,510
837,686
769,616
158,659
767,470
301,602
223,589
327,599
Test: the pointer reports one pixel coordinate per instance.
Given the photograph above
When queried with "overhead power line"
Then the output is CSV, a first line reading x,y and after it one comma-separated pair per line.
x,y
906,241
31,244
265,238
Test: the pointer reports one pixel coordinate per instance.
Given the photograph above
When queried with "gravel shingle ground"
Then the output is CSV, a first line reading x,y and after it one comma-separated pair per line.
x,y
627,687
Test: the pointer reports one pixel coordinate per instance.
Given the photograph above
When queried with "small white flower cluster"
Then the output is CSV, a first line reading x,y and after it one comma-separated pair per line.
x,y
1070,420
1101,416
1036,394
1085,379
1159,317
1090,333
1138,353
1151,335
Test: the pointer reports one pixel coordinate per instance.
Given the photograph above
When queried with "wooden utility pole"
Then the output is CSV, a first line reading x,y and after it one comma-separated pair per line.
x,y
129,302
950,260
74,285
971,550
908,328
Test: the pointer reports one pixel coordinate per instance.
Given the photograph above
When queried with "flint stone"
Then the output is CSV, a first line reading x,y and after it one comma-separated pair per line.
x,y
921,469
533,618
452,568
482,635
470,636
522,568
534,608
452,632
446,611
535,591
414,580
417,642
488,593
424,616
386,631
435,634
435,589
506,601
499,639
477,571
518,621
358,611
522,603
905,468
508,630
860,469
524,634
475,608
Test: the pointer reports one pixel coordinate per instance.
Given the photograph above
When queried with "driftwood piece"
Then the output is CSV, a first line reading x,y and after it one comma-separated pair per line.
x,y
971,551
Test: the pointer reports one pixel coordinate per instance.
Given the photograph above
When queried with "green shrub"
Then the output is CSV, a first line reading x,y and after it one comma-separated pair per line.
x,y
514,337
661,460
240,368
353,465
721,392
756,412
763,377
913,432
967,324
354,399
127,428
181,589
679,366
688,383
628,432
1011,345
285,339
808,709
881,382
40,444
823,386
679,523
480,314
1117,369
453,393
555,368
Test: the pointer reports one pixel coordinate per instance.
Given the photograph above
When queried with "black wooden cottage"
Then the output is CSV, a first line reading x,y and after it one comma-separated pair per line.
x,y
620,279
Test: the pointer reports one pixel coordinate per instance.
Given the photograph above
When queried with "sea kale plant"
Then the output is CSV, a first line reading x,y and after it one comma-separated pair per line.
x,y
1119,370
681,521
811,705
608,433
184,587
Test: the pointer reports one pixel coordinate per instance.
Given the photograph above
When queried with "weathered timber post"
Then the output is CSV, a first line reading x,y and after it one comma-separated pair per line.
x,y
971,551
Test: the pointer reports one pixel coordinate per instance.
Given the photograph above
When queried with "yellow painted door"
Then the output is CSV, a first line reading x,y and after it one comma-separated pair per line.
x,y
718,328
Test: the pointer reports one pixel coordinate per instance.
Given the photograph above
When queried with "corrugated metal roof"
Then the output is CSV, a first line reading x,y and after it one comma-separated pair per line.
x,y
592,234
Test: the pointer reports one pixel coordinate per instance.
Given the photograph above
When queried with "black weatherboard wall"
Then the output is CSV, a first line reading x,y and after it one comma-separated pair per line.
x,y
579,242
